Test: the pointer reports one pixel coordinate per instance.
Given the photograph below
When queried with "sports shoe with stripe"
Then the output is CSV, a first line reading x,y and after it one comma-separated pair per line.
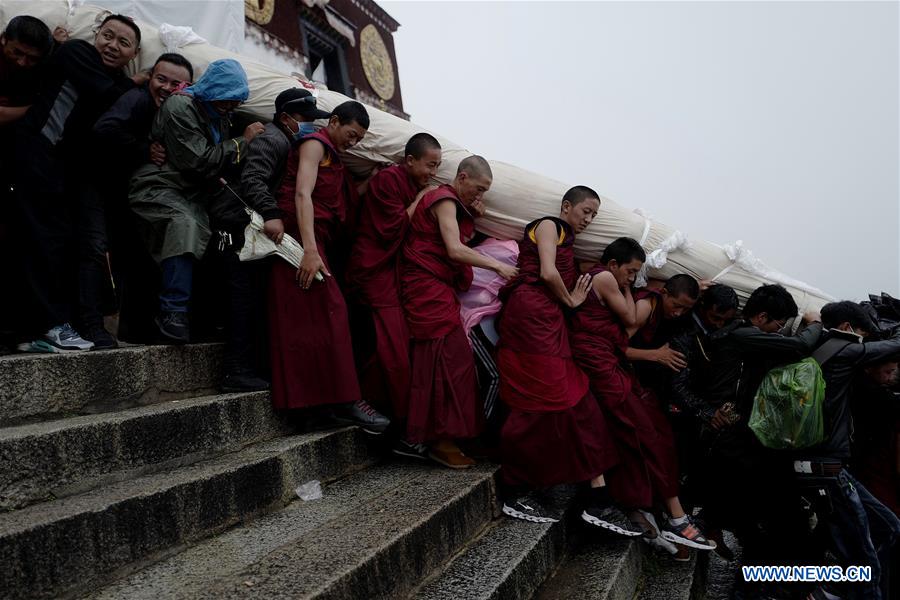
x,y
404,448
528,508
610,518
62,338
65,337
686,533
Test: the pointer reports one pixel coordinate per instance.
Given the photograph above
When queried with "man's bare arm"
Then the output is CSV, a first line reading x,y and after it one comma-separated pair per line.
x,y
445,212
311,155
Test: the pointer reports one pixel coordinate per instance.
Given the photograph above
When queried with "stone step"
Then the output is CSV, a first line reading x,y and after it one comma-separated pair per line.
x,y
601,567
34,386
511,559
63,546
69,456
610,568
374,534
666,579
722,574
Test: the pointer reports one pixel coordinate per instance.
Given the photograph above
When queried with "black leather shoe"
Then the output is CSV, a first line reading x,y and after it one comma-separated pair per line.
x,y
243,381
361,414
174,326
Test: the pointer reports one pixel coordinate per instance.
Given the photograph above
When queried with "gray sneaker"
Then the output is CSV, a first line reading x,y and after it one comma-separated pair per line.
x,y
65,337
612,519
528,508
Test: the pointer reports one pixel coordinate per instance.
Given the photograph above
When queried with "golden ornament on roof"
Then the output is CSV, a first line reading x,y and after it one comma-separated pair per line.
x,y
259,11
376,62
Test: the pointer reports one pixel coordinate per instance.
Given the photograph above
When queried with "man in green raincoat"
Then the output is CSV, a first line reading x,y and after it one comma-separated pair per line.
x,y
170,200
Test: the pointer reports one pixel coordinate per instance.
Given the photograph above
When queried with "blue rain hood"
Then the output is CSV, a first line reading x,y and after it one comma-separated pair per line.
x,y
223,80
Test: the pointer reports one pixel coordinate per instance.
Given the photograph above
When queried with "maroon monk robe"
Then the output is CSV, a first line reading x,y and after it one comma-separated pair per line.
x,y
372,276
309,331
442,398
648,470
645,336
555,432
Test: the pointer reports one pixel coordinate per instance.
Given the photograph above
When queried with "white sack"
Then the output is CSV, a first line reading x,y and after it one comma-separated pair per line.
x,y
516,197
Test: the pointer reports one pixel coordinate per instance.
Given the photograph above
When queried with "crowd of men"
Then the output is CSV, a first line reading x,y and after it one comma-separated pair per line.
x,y
127,195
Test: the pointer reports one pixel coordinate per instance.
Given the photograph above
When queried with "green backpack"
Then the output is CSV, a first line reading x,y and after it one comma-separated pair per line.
x,y
787,409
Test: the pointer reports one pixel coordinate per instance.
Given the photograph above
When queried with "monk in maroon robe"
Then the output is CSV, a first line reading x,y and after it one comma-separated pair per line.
x,y
600,330
555,432
372,273
436,263
310,348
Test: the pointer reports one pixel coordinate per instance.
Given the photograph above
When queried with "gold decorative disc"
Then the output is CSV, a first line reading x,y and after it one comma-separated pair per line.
x,y
376,62
259,11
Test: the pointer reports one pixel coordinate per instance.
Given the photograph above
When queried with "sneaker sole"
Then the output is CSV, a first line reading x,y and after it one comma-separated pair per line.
x,y
446,464
675,539
233,389
97,348
68,348
410,454
509,511
366,428
37,348
608,526
661,543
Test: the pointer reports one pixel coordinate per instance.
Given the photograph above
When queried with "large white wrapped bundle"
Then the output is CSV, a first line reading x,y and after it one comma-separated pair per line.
x,y
516,197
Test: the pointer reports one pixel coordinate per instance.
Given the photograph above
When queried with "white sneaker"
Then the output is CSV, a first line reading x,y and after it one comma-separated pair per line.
x,y
657,541
65,337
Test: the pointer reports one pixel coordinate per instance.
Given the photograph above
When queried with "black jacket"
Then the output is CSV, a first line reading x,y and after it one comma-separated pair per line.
x,y
122,134
839,373
75,91
261,174
687,387
740,355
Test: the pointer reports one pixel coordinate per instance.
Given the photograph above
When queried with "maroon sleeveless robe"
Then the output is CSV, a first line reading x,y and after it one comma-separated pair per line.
x,y
373,278
646,334
442,398
555,432
309,330
648,470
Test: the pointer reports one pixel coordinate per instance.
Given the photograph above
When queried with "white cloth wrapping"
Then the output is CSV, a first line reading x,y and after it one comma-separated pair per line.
x,y
516,196
257,245
657,259
174,37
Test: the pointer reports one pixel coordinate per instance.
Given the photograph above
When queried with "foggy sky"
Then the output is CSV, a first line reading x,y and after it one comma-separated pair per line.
x,y
774,123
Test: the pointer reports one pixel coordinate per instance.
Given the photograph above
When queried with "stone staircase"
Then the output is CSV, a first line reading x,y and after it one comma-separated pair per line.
x,y
123,474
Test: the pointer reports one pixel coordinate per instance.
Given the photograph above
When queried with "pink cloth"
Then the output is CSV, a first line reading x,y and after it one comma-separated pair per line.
x,y
481,300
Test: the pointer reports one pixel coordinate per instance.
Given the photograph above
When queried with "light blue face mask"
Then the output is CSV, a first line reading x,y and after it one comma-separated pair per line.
x,y
304,128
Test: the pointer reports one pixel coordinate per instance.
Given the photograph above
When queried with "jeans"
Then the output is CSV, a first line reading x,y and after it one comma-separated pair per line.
x,y
863,532
177,283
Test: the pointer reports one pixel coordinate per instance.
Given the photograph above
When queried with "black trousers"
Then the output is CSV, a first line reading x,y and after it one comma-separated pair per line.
x,y
41,229
115,271
246,285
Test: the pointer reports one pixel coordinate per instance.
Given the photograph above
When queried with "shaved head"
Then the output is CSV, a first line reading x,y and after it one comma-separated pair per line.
x,y
421,143
475,166
579,194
